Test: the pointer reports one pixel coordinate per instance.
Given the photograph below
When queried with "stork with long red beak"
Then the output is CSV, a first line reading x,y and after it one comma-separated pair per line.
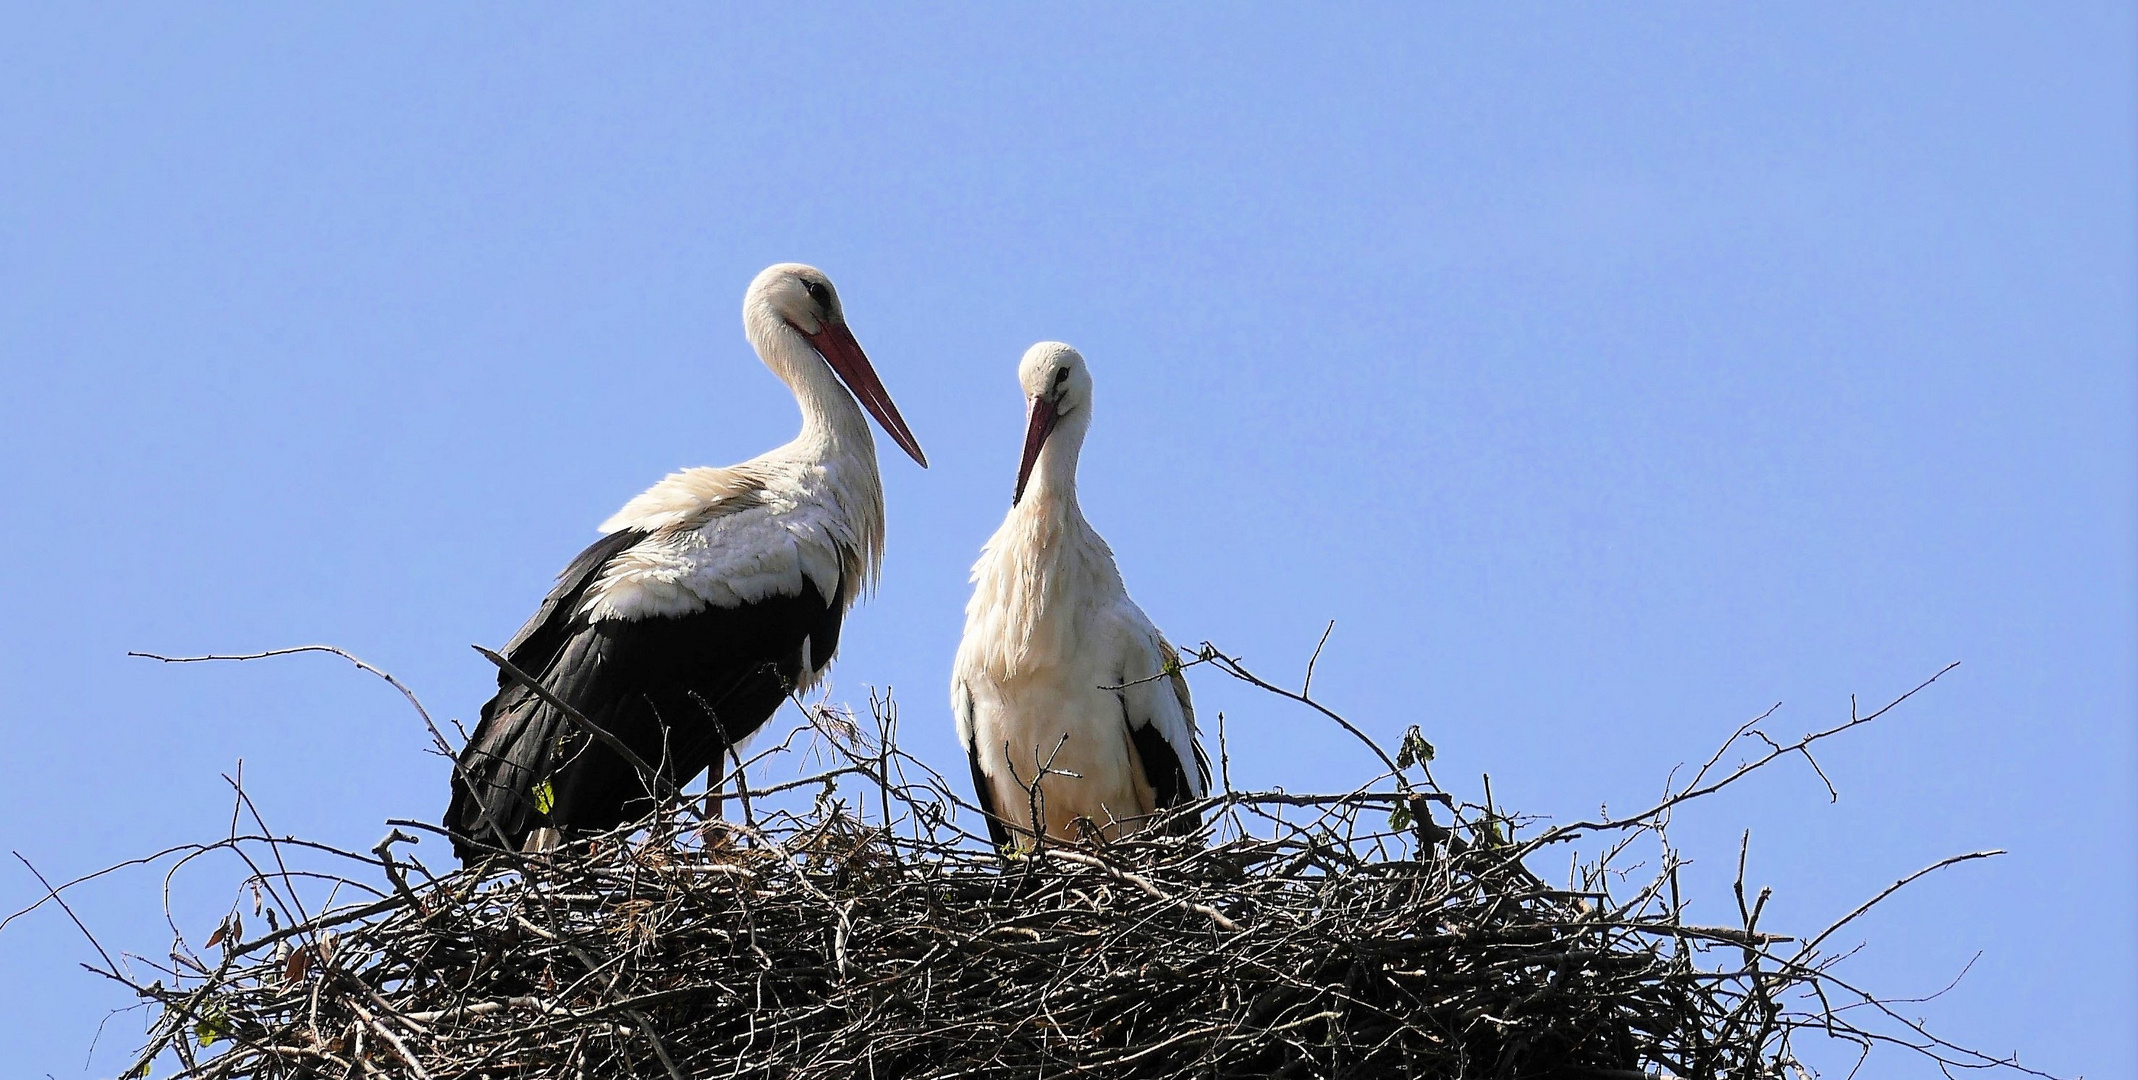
x,y
710,598
1061,681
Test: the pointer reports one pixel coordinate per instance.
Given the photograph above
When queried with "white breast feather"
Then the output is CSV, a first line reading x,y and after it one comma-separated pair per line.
x,y
1037,580
1049,626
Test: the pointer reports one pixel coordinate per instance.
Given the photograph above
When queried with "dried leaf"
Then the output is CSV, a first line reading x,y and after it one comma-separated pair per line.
x,y
1414,750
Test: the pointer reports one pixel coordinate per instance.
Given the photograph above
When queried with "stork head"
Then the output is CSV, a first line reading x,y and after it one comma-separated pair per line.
x,y
1057,387
802,298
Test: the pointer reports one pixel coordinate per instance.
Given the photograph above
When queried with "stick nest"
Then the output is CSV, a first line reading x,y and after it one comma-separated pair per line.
x,y
856,929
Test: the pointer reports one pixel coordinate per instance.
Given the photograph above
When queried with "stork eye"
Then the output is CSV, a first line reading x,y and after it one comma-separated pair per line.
x,y
819,292
1061,375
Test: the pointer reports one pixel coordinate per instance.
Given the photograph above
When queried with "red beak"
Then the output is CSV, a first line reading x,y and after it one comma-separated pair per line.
x,y
837,345
1035,436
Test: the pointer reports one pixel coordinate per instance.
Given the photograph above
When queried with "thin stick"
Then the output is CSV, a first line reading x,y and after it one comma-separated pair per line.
x,y
1307,686
1233,667
437,736
1890,890
78,924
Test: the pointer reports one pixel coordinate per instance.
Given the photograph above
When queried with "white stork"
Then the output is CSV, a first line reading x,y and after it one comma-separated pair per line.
x,y
1059,671
710,597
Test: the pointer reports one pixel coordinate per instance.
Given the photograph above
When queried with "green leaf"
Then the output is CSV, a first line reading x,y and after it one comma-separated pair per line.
x,y
545,797
1414,750
208,1026
1399,818
1488,833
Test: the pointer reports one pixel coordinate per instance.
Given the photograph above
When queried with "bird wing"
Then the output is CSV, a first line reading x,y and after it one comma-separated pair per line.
x,y
689,497
725,538
680,638
1161,716
535,646
1178,678
961,708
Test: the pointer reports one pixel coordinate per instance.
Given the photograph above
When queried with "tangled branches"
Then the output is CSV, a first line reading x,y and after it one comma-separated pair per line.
x,y
844,923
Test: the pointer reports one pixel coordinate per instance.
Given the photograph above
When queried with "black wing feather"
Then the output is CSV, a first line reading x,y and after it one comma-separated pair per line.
x,y
535,646
678,690
1166,773
983,792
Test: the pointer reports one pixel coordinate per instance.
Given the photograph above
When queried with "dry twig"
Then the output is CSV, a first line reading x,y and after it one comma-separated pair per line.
x,y
1297,935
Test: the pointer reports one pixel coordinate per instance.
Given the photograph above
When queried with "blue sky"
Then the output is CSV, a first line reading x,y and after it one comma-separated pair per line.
x,y
1607,374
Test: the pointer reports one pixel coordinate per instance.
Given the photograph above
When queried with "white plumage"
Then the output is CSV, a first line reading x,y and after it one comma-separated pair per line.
x,y
1058,668
710,597
811,508
731,537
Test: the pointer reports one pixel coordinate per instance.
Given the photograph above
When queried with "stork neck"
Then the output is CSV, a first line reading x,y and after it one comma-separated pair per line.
x,y
833,425
832,421
1052,489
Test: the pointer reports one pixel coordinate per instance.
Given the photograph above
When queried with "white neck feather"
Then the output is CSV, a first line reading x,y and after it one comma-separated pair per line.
x,y
1052,488
833,424
1043,558
835,438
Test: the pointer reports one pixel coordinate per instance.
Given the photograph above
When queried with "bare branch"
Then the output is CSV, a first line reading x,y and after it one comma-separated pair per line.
x,y
851,928
1890,890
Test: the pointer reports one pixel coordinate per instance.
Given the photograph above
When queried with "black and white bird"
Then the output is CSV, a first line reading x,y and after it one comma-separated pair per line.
x,y
1059,672
709,599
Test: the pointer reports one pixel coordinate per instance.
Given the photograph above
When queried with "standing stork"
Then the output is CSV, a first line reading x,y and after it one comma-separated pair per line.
x,y
1061,680
710,597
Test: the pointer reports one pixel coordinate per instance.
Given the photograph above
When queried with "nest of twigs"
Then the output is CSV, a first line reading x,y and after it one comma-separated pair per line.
x,y
847,925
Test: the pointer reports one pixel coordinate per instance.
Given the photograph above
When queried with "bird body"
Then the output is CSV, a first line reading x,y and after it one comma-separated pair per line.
x,y
710,597
1060,677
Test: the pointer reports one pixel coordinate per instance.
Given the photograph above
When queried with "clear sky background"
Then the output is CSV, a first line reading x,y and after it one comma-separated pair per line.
x,y
1608,373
